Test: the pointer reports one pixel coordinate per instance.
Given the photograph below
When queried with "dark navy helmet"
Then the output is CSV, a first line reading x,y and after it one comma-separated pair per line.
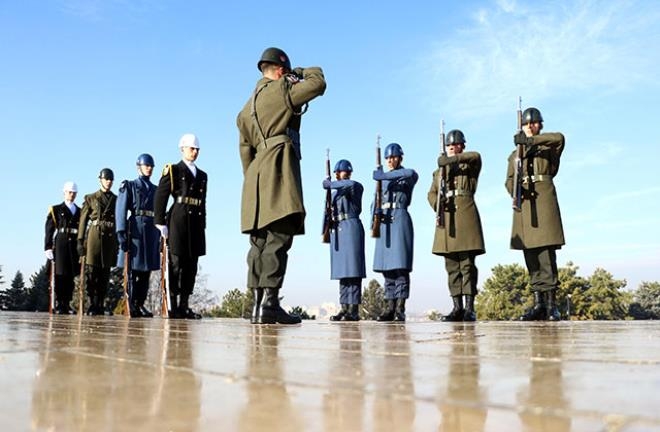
x,y
275,56
145,159
106,173
455,137
531,115
393,149
343,165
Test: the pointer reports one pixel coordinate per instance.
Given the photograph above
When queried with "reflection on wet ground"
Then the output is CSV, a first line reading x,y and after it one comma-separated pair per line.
x,y
63,373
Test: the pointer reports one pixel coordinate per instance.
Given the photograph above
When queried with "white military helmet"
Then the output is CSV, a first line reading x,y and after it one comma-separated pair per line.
x,y
189,140
70,187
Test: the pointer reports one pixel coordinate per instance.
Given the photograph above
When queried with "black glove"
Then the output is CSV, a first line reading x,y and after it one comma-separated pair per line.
x,y
122,240
445,160
81,247
520,138
298,72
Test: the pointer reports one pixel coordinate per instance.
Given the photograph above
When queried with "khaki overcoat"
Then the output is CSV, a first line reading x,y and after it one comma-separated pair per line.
x,y
97,229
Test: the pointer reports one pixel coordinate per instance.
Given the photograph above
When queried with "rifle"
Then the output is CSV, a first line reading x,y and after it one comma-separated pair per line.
x,y
441,199
51,288
164,279
81,293
327,217
128,282
517,174
378,201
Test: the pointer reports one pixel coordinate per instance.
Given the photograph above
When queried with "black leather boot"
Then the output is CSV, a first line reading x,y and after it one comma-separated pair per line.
x,y
457,312
135,310
173,312
400,310
388,314
185,311
352,313
341,314
256,307
538,312
551,306
271,311
469,315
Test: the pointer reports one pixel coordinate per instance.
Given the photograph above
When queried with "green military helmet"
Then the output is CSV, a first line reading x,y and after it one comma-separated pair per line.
x,y
275,56
455,136
531,115
106,173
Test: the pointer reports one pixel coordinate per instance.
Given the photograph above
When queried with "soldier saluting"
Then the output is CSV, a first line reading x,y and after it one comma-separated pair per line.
x,y
97,241
184,224
60,246
272,209
537,227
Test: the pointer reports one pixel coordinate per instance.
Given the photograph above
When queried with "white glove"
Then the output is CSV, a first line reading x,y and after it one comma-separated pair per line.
x,y
163,230
49,254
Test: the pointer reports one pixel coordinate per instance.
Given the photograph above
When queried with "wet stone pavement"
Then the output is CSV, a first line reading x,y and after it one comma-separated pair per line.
x,y
63,373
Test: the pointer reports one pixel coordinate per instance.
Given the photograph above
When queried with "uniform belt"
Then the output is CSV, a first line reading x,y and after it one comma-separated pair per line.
x,y
264,144
537,178
148,213
342,216
189,201
103,223
394,205
459,192
68,230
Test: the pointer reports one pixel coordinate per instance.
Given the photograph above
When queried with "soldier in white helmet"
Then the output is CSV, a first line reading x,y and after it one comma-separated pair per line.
x,y
60,246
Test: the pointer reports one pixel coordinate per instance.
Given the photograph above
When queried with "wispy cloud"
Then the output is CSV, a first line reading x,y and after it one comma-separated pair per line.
x,y
545,49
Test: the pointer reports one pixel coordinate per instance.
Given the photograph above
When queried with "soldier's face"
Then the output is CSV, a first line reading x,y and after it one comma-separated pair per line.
x,y
106,184
146,170
190,153
70,196
532,129
343,175
454,149
394,162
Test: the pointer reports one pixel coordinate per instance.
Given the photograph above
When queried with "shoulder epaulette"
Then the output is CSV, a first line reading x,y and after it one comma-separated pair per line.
x,y
52,215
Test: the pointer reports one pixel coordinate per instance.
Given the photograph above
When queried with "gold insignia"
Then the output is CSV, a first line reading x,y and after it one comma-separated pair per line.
x,y
166,169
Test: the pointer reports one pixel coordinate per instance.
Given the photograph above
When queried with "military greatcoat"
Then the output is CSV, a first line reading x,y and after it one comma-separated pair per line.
x,y
97,229
538,224
135,216
462,231
269,147
394,247
186,218
61,234
347,233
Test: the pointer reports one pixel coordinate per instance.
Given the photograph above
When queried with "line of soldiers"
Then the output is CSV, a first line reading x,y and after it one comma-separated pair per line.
x,y
125,231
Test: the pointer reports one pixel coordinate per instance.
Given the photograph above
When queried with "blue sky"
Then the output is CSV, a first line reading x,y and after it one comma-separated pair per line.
x,y
92,84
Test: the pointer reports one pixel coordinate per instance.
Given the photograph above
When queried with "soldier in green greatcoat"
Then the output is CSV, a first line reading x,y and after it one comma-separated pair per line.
x,y
461,238
97,241
537,228
272,210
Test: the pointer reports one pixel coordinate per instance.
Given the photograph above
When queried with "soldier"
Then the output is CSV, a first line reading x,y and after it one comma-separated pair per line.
x,y
346,240
272,210
60,246
184,224
137,233
461,239
537,227
97,241
394,247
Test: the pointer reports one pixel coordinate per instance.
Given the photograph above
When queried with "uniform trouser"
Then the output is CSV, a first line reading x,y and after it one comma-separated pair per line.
x,y
139,286
183,271
64,289
397,284
542,267
268,255
97,280
462,273
350,290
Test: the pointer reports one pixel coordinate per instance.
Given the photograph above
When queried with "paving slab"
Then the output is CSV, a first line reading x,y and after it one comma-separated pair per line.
x,y
69,373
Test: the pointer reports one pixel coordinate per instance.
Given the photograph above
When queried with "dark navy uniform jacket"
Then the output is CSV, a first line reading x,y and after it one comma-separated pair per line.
x,y
394,247
61,235
347,233
186,218
137,197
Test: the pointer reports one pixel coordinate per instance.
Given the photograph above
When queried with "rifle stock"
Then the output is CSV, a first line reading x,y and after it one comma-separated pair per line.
x,y
378,201
51,288
127,283
81,291
164,284
516,196
441,199
327,217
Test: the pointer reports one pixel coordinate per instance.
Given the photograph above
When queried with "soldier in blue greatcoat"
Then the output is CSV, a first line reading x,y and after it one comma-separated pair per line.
x,y
346,240
394,247
137,234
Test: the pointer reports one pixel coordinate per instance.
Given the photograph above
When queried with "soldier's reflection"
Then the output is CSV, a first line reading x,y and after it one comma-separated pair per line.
x,y
545,383
269,405
461,402
394,403
343,405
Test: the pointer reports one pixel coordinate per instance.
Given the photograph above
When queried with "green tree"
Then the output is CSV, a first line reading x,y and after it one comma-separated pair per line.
x,y
602,298
302,313
506,294
433,315
570,285
232,306
373,300
646,301
38,294
16,294
3,293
